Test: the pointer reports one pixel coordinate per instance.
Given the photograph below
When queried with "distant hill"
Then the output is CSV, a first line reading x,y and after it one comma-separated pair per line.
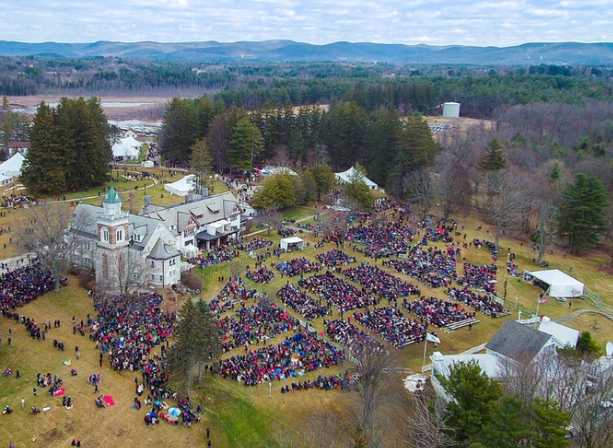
x,y
564,53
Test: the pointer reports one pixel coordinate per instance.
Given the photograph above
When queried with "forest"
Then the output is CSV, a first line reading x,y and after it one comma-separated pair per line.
x,y
414,88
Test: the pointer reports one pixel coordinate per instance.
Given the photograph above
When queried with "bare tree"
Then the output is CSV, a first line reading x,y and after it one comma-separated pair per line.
x,y
48,238
268,219
421,191
426,424
128,274
452,185
372,393
282,157
593,413
505,202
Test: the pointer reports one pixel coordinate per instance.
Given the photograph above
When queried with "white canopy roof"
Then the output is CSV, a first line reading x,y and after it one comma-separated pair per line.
x,y
181,187
12,166
564,335
286,242
270,170
560,284
127,147
346,176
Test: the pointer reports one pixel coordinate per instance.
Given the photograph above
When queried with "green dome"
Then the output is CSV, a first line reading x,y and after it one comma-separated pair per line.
x,y
112,197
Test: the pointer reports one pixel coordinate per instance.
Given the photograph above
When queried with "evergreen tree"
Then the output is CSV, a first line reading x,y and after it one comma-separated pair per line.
x,y
582,219
358,192
493,159
416,149
473,399
245,145
323,177
70,147
197,343
277,192
200,163
381,144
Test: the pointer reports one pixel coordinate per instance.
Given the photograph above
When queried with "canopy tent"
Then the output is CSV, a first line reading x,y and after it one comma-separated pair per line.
x,y
559,283
291,242
190,251
181,187
128,148
12,166
346,177
269,170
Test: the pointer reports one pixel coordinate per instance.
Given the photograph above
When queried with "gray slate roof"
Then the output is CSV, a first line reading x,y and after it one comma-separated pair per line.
x,y
163,251
176,216
517,341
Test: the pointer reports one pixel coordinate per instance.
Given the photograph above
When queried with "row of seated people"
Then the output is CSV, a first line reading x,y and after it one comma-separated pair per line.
x,y
392,325
377,281
254,324
480,277
383,240
297,266
480,302
345,333
261,275
430,266
300,353
437,312
335,257
301,302
331,382
336,291
253,244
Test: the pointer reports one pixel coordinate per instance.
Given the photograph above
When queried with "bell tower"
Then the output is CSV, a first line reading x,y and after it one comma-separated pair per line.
x,y
113,242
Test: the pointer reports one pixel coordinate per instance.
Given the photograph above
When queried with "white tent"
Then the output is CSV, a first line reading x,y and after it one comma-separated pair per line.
x,y
190,251
560,284
346,176
269,170
292,241
181,187
12,166
128,148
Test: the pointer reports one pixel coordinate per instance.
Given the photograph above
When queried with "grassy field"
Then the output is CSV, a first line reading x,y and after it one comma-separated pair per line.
x,y
237,415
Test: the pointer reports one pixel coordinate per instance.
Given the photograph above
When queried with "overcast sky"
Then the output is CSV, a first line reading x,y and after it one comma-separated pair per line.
x,y
435,22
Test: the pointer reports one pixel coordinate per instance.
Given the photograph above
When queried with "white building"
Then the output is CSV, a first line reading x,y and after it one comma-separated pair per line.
x,y
113,242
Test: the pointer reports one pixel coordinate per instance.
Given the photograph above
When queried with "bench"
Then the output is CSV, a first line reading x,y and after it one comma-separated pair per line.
x,y
463,323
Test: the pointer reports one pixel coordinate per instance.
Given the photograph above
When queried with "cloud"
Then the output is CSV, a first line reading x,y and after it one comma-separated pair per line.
x,y
436,22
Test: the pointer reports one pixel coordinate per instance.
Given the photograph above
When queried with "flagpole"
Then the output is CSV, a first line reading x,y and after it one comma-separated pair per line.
x,y
425,352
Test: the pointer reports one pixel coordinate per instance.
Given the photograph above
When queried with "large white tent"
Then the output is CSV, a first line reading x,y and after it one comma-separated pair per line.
x,y
269,170
292,241
346,176
12,166
128,148
181,187
560,284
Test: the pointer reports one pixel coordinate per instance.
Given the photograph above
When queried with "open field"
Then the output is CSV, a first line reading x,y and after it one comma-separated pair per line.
x,y
237,415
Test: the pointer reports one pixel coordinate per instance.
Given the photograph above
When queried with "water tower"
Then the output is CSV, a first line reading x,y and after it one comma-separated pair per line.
x,y
451,110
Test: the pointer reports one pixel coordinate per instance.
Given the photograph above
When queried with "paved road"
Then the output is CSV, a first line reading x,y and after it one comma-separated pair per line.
x,y
580,312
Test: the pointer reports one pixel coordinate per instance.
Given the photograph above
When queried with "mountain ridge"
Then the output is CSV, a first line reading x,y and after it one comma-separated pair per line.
x,y
531,53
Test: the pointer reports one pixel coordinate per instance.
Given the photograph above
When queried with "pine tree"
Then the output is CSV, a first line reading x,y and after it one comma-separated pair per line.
x,y
582,219
493,159
474,397
245,145
200,163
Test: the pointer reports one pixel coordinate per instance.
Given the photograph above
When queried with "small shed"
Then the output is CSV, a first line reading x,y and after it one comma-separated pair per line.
x,y
292,243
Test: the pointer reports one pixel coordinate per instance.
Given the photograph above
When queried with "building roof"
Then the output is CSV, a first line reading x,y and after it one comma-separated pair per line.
x,y
565,336
442,364
518,342
163,251
205,211
112,197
